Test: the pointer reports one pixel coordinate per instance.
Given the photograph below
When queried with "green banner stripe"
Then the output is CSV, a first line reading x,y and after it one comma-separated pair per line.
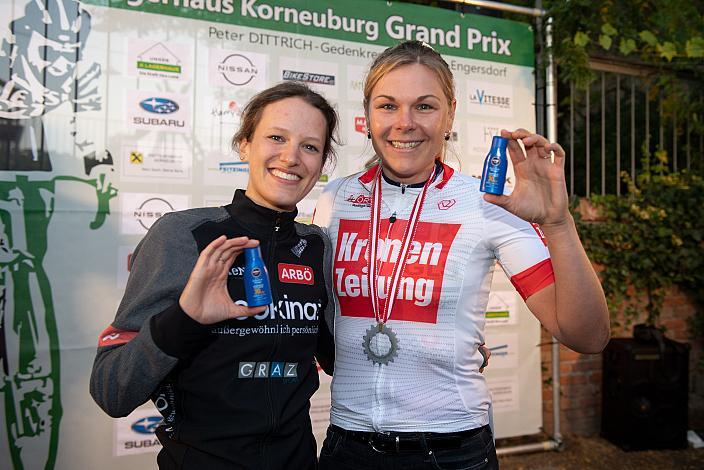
x,y
367,21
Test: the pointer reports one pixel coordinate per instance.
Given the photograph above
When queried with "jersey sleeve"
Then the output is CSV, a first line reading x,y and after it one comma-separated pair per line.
x,y
131,361
521,249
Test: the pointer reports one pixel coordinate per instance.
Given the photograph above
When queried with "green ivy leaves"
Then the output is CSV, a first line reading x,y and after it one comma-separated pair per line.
x,y
581,39
605,41
648,37
694,48
666,36
627,46
667,50
649,240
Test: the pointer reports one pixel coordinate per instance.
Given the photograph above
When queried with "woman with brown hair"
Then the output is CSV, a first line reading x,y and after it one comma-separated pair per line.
x,y
233,383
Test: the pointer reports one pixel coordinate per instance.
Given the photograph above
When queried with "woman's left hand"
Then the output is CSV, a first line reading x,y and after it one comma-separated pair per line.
x,y
540,194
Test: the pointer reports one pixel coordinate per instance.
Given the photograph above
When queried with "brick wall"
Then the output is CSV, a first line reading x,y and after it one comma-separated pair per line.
x,y
580,374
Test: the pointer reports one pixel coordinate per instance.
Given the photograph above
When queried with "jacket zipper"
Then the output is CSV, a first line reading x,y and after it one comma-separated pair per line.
x,y
269,260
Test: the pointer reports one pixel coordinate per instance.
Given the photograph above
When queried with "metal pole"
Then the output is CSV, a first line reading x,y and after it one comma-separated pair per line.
x,y
503,7
618,134
551,114
633,129
571,138
603,133
588,161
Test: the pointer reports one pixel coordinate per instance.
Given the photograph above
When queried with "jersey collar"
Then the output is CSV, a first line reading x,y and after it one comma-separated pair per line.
x,y
368,176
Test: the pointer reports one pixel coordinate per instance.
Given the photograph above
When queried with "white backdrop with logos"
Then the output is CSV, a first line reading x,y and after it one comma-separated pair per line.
x,y
135,120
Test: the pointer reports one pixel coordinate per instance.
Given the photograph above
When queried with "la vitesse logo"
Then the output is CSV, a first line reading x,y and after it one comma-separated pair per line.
x,y
421,282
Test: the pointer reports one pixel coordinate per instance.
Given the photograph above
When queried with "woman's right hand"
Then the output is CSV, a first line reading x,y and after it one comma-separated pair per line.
x,y
205,297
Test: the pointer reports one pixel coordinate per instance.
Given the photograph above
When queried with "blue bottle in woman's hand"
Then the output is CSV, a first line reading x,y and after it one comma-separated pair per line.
x,y
495,166
256,278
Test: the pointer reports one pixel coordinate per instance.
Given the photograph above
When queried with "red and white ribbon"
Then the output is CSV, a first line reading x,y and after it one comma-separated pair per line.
x,y
373,263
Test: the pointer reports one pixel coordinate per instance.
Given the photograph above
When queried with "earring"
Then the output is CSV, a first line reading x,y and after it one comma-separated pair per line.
x,y
243,157
447,135
369,134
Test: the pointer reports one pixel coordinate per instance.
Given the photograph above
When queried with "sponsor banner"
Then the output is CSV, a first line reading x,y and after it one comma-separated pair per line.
x,y
227,112
321,76
504,350
421,284
134,434
237,69
124,258
143,161
147,58
216,201
502,308
480,133
306,209
355,124
158,111
504,393
225,170
489,99
365,21
476,69
141,210
320,408
355,82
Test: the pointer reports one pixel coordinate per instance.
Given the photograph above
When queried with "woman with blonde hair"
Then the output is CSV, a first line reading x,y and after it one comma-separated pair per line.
x,y
412,268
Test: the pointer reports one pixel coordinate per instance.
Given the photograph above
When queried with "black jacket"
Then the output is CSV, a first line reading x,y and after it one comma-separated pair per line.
x,y
234,394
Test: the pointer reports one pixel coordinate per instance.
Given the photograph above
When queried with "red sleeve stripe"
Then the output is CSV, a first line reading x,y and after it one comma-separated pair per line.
x,y
533,279
112,336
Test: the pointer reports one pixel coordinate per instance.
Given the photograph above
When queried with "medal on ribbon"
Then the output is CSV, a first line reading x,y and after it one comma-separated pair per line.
x,y
380,343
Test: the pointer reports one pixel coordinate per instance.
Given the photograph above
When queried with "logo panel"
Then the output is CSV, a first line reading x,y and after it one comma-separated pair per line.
x,y
153,161
147,110
319,75
141,210
419,290
296,274
225,169
147,425
237,69
489,99
134,434
157,60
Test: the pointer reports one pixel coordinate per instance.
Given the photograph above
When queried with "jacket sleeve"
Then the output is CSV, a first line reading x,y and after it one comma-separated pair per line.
x,y
150,332
325,351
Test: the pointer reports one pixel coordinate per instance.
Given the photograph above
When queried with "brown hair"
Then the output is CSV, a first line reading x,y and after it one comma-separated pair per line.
x,y
252,113
408,53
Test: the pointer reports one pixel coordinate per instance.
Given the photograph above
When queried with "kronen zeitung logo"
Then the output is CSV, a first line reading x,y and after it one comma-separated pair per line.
x,y
395,26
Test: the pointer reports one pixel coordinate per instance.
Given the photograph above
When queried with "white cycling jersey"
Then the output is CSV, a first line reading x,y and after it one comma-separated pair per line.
x,y
433,384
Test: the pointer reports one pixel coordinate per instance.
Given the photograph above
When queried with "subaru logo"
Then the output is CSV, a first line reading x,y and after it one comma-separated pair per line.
x,y
159,105
147,425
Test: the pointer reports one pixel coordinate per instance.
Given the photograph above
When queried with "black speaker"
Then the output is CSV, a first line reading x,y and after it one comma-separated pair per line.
x,y
644,394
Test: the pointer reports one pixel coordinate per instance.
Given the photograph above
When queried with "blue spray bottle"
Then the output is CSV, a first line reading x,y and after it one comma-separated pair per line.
x,y
495,166
256,278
